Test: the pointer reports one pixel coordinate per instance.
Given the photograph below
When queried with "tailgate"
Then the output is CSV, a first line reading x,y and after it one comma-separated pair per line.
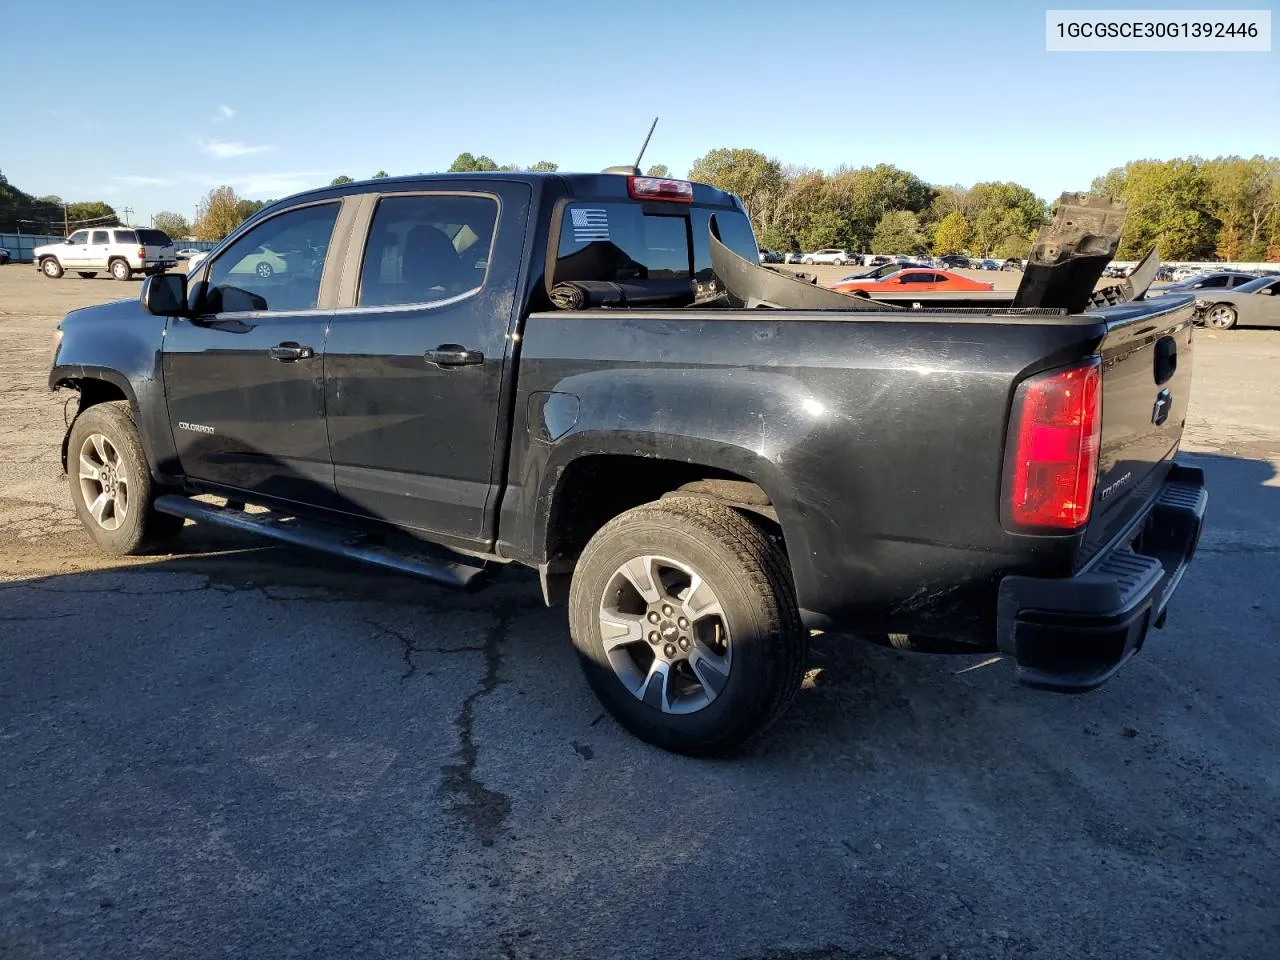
x,y
1146,381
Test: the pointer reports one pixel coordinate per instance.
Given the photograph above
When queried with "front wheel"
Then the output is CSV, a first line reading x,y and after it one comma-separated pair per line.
x,y
120,270
685,622
1221,316
807,261
51,268
111,486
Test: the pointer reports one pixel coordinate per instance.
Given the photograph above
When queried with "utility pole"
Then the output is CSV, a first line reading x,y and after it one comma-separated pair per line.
x,y
66,226
128,211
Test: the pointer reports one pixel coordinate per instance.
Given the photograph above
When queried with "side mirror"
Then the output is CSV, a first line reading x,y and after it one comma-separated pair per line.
x,y
164,294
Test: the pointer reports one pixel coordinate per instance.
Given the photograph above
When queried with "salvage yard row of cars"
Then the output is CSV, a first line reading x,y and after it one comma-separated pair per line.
x,y
840,257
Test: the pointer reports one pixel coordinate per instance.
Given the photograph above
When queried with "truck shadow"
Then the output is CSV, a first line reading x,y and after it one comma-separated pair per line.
x,y
855,693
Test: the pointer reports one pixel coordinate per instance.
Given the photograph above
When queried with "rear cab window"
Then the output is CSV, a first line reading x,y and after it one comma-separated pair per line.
x,y
629,241
154,238
126,236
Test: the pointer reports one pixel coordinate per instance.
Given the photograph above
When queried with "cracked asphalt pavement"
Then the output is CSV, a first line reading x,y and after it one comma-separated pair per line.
x,y
247,750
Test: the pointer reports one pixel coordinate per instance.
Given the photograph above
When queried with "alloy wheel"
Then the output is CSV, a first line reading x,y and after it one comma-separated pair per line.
x,y
104,482
665,634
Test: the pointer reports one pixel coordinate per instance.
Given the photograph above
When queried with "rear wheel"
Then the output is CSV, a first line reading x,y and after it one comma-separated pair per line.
x,y
121,270
111,487
51,268
87,274
1221,316
686,625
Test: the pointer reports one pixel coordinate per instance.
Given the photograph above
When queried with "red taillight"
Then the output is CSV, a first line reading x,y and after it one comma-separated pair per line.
x,y
660,188
142,253
1056,432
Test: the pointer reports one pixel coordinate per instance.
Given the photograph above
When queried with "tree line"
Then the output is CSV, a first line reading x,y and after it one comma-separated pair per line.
x,y
1191,208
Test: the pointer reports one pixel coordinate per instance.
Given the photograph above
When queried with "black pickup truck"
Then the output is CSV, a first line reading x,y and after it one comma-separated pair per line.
x,y
593,376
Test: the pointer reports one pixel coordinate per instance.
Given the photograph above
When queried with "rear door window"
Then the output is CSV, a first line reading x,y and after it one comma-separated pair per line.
x,y
427,248
100,236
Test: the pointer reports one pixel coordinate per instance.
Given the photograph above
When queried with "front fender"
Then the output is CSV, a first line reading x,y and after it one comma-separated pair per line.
x,y
120,344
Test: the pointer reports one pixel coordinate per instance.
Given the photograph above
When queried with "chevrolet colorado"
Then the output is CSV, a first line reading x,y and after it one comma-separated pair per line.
x,y
706,458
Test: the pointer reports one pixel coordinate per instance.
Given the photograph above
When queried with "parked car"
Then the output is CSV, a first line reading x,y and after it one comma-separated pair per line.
x,y
795,256
875,261
987,265
187,253
912,281
119,251
386,414
769,256
832,255
1185,273
877,273
1252,304
1224,280
953,261
1013,263
5,256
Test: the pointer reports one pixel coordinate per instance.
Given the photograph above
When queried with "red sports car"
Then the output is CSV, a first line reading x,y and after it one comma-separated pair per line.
x,y
913,279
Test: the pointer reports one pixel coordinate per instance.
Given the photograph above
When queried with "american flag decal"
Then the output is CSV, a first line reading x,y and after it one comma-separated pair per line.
x,y
589,224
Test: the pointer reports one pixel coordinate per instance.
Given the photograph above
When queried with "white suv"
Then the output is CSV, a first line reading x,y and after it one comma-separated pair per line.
x,y
120,251
831,255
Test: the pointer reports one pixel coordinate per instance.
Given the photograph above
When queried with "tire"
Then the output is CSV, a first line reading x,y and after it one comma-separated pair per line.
x,y
808,261
121,270
1221,316
126,522
752,650
87,274
263,270
51,268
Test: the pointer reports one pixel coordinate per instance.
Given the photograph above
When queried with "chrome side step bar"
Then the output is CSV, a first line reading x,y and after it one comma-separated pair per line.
x,y
428,562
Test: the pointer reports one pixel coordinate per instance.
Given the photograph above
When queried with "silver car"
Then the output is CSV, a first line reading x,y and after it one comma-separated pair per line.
x,y
1253,304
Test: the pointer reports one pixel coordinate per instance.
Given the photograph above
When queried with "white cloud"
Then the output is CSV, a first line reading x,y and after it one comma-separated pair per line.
x,y
136,181
224,149
224,112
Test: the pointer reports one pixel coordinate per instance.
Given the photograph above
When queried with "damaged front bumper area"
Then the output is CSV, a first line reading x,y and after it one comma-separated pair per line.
x,y
1072,634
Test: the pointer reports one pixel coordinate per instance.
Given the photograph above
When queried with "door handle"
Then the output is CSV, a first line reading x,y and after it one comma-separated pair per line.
x,y
453,355
289,351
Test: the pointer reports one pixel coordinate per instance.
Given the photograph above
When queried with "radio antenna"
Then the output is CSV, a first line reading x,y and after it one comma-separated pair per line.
x,y
645,145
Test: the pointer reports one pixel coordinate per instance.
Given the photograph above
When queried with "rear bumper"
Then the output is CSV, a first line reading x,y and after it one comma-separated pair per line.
x,y
1073,634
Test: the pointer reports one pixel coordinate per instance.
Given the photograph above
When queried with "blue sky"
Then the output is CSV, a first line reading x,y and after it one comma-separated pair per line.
x,y
150,111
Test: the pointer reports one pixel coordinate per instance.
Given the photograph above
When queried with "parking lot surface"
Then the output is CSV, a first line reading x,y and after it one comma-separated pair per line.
x,y
246,750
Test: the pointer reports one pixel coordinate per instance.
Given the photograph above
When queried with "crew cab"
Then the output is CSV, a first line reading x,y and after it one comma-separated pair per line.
x,y
591,375
119,251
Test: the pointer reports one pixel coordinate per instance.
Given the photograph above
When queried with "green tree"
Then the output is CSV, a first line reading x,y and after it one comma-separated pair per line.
x,y
1166,208
174,224
756,179
952,234
247,208
220,213
658,170
52,198
1003,212
340,180
381,175
544,166
1242,196
862,197
93,210
898,232
468,163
